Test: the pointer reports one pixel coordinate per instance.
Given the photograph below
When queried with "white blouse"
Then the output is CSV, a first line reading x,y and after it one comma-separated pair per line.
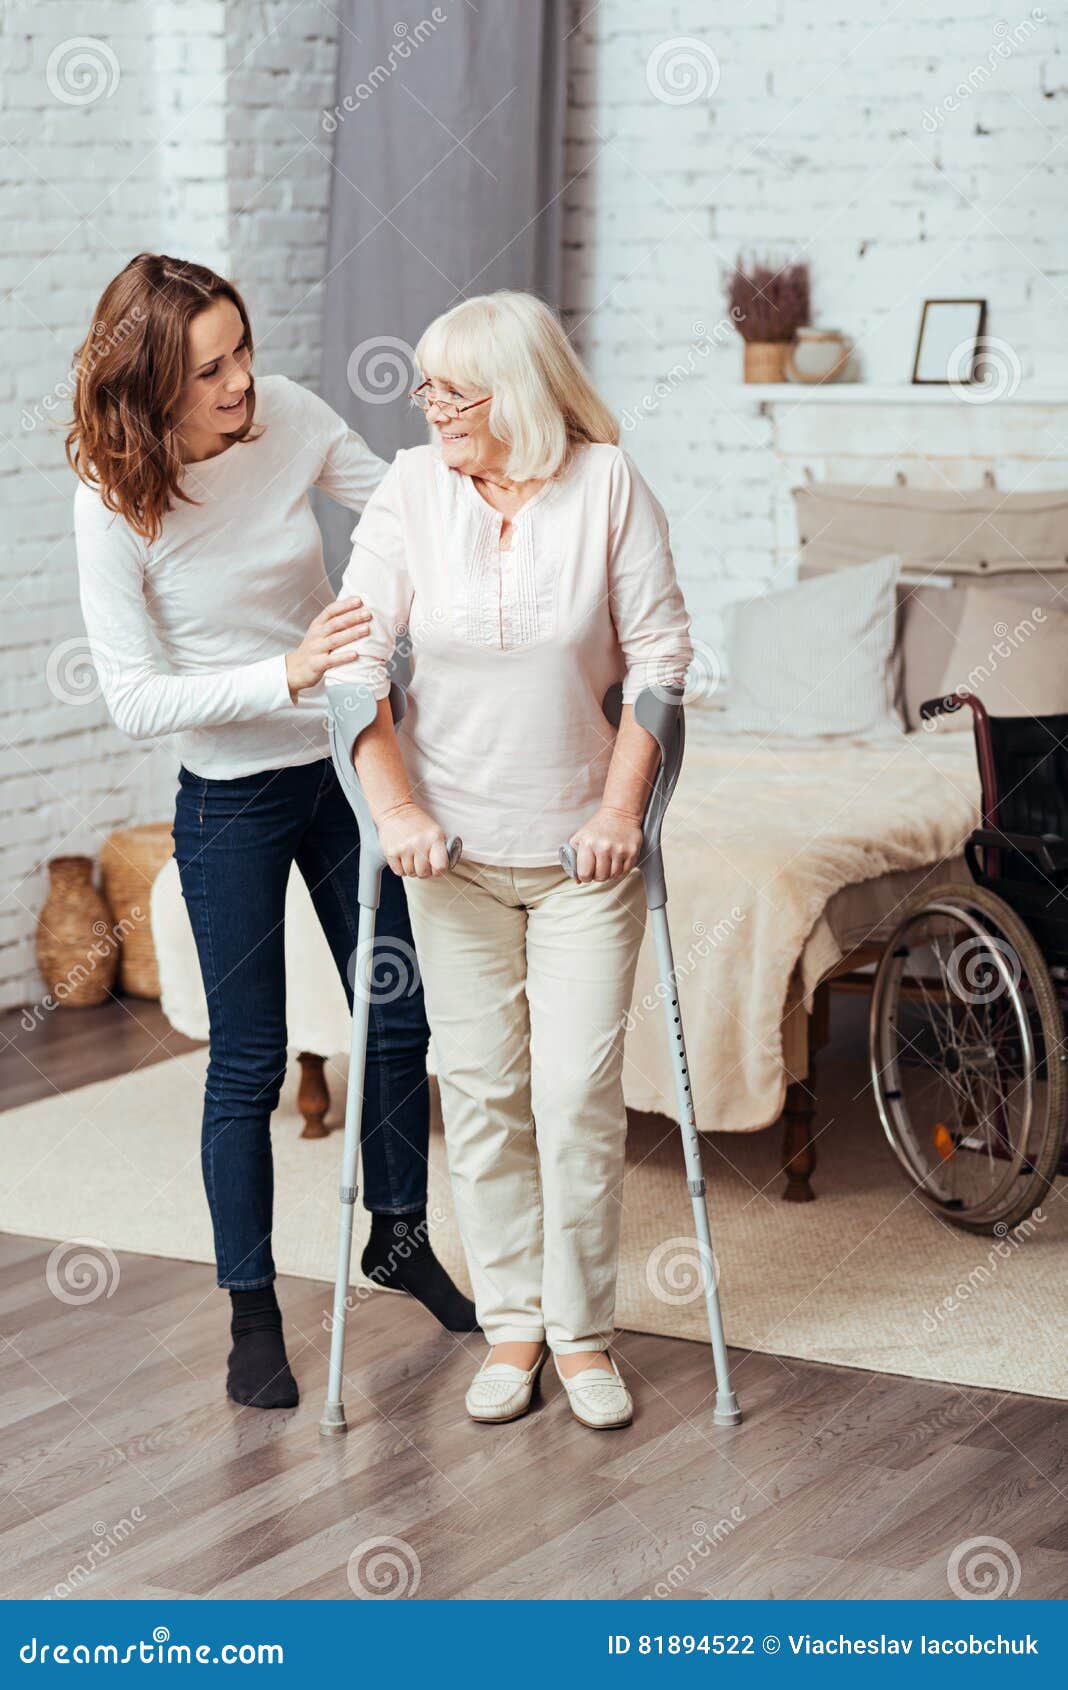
x,y
505,740
189,635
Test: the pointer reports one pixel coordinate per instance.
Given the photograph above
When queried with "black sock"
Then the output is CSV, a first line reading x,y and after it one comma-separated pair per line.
x,y
258,1372
398,1255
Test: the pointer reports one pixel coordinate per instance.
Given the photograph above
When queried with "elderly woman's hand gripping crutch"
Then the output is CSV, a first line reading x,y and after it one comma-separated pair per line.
x,y
659,711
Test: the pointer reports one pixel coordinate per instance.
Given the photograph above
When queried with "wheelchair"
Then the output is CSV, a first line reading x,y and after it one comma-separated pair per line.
x,y
967,1039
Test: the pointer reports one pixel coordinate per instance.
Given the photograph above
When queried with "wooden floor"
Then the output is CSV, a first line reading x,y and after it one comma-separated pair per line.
x,y
127,1473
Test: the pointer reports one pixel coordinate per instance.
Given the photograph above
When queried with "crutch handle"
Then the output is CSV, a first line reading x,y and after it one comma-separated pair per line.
x,y
659,711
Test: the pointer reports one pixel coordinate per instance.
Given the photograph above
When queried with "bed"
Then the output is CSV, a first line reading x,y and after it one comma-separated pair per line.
x,y
787,856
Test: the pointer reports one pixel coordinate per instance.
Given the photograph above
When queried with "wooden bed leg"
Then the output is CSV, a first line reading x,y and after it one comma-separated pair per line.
x,y
798,1150
313,1097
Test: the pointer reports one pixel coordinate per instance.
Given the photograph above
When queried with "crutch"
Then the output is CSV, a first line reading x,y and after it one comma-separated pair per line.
x,y
352,709
659,712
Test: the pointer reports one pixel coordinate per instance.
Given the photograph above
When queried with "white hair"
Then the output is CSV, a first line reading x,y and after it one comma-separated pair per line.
x,y
513,346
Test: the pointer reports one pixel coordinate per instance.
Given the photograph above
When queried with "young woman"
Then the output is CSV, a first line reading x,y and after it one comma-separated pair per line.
x,y
211,618
532,565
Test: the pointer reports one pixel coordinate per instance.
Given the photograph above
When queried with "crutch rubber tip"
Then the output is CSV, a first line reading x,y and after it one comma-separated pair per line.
x,y
726,1411
333,1424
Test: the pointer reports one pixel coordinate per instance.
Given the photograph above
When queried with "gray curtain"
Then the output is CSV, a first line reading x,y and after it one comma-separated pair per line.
x,y
448,145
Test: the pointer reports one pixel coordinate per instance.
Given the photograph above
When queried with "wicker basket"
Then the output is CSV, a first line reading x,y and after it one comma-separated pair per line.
x,y
765,360
75,950
129,863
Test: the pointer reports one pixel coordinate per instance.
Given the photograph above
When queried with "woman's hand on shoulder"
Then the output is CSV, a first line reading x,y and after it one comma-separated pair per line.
x,y
412,842
326,643
608,845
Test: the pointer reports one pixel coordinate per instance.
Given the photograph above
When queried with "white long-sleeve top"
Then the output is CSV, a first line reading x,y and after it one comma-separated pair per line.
x,y
189,635
505,740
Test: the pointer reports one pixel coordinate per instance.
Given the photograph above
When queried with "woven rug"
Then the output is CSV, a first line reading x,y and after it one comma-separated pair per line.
x,y
864,1277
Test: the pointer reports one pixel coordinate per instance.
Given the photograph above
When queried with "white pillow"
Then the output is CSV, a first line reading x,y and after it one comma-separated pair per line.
x,y
818,658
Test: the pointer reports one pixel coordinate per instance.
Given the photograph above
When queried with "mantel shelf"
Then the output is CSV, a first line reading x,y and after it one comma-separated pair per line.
x,y
873,393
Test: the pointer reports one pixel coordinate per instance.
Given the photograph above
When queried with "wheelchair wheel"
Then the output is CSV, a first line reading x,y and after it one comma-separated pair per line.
x,y
968,1057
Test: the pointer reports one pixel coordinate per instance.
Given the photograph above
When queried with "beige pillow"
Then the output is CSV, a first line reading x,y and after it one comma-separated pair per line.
x,y
1012,655
928,618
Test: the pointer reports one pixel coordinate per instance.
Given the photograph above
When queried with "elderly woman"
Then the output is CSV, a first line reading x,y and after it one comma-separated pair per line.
x,y
530,563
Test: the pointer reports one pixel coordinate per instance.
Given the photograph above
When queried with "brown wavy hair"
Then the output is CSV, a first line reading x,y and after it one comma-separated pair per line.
x,y
129,374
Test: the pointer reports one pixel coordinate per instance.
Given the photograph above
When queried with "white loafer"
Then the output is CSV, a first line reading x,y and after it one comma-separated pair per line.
x,y
597,1398
500,1391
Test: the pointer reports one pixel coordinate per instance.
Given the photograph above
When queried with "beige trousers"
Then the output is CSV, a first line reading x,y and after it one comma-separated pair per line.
x,y
528,977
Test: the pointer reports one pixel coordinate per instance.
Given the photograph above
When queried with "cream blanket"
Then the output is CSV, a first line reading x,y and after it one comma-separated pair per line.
x,y
759,836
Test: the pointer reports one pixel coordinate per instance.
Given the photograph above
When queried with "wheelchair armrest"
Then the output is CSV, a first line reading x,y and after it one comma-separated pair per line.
x,y
945,706
1049,849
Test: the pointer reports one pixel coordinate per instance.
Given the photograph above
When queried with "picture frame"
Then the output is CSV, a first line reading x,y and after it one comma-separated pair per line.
x,y
946,325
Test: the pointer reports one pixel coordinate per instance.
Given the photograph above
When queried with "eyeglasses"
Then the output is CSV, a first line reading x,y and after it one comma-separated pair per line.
x,y
424,397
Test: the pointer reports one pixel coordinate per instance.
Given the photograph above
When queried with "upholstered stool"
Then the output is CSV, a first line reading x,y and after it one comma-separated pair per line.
x,y
317,1012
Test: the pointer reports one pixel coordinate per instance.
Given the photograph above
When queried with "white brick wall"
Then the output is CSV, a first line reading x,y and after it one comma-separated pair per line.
x,y
817,141
191,147
825,138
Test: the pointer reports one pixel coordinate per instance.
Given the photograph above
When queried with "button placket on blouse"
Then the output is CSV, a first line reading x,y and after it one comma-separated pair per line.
x,y
506,590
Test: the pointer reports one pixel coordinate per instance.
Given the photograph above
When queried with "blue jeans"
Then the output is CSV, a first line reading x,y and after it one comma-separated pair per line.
x,y
235,841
